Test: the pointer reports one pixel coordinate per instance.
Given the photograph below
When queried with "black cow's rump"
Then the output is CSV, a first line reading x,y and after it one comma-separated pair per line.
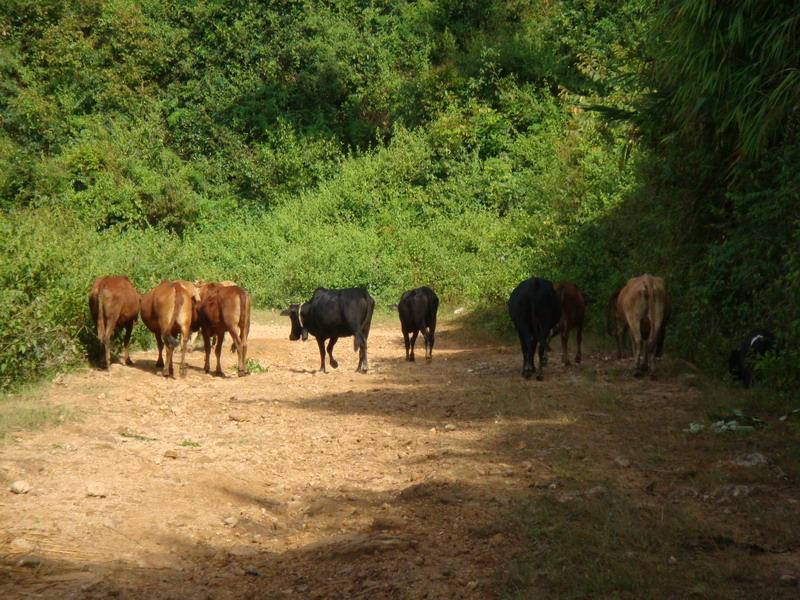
x,y
417,309
535,309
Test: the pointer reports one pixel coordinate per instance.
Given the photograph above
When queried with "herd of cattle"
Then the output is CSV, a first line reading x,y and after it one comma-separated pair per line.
x,y
538,308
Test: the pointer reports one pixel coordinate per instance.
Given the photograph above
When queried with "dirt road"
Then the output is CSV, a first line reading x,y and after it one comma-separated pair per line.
x,y
409,482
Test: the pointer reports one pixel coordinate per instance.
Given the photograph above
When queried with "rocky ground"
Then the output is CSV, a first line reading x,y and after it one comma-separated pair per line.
x,y
449,479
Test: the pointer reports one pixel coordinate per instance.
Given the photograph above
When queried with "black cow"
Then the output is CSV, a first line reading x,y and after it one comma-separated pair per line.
x,y
740,362
331,314
417,309
535,309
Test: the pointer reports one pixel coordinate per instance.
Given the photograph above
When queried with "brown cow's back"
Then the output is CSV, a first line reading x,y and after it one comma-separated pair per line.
x,y
573,313
642,303
114,303
168,310
225,309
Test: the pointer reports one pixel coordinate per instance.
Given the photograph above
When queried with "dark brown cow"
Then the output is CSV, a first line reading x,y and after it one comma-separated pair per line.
x,y
224,308
642,304
114,303
168,310
573,313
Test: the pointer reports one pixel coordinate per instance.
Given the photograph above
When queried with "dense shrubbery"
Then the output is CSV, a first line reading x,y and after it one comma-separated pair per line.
x,y
293,144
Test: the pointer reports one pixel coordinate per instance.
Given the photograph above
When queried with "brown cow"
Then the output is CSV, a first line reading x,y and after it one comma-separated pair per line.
x,y
224,308
168,310
618,328
114,302
573,313
642,304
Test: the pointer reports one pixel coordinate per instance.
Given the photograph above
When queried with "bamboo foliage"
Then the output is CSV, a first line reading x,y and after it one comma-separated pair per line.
x,y
730,66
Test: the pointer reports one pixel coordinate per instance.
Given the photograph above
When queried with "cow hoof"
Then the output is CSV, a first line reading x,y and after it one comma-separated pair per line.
x,y
129,362
539,377
334,364
159,364
242,373
527,374
638,373
411,358
428,358
567,363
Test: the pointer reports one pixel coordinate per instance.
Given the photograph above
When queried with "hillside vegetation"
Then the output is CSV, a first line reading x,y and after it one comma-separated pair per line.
x,y
462,144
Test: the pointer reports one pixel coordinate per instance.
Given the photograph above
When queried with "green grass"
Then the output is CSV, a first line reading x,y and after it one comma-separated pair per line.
x,y
189,444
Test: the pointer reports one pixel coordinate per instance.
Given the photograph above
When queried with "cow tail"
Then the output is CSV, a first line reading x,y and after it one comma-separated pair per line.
x,y
651,314
365,324
170,339
647,298
244,318
100,313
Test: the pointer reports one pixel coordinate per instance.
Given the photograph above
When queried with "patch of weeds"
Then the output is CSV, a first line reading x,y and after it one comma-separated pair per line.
x,y
254,366
136,436
24,412
734,420
190,444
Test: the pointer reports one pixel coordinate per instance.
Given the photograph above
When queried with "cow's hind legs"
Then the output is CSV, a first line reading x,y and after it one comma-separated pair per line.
x,y
166,368
542,357
526,343
160,344
206,350
331,343
413,343
361,340
580,340
321,344
407,344
218,354
126,343
565,346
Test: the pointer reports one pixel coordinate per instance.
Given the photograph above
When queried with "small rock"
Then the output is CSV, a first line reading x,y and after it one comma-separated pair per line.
x,y
750,460
231,521
552,486
95,490
527,465
101,396
386,523
622,462
21,546
497,539
29,562
471,585
459,310
789,579
432,430
728,492
595,492
20,487
238,417
672,560
450,427
252,572
171,454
